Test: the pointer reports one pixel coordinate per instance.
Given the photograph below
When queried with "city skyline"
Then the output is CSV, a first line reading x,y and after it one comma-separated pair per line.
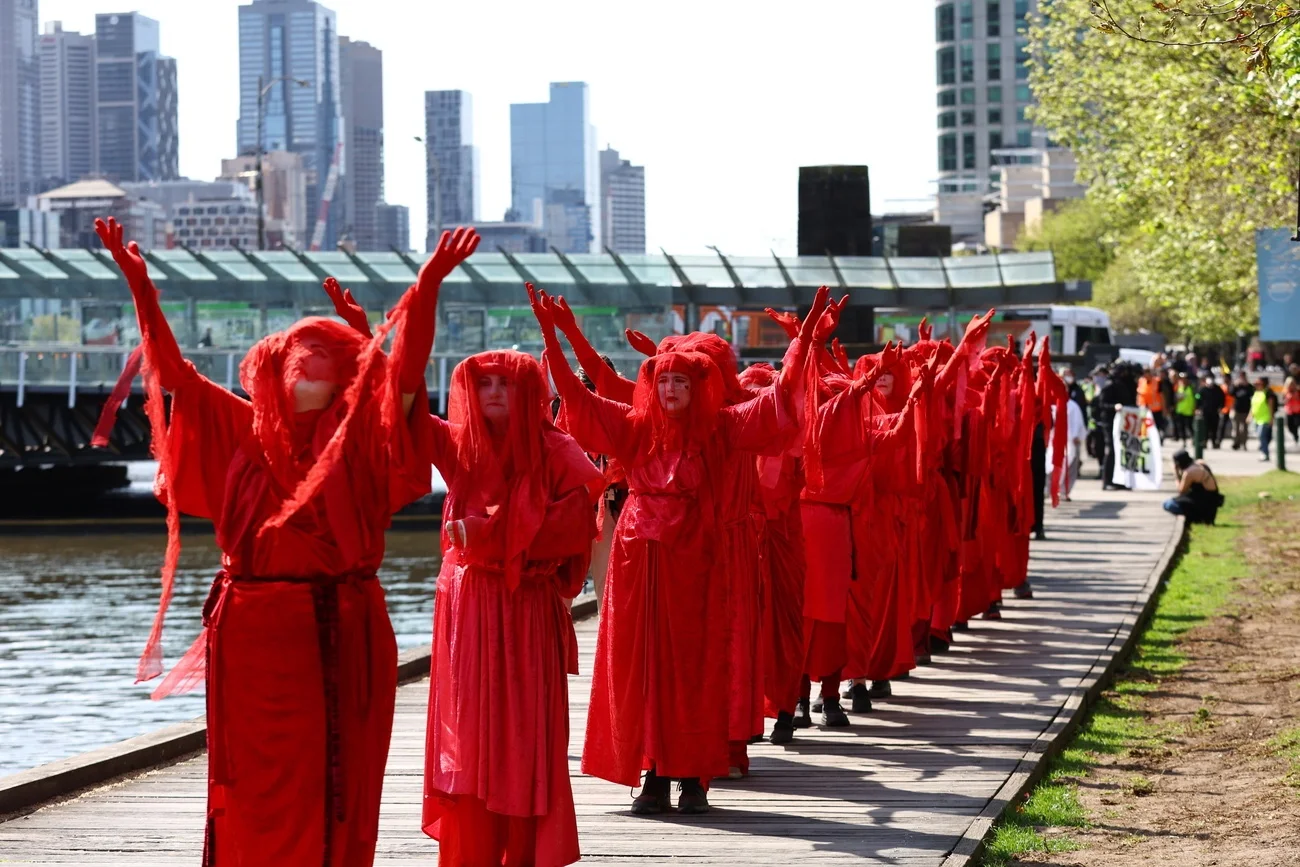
x,y
723,134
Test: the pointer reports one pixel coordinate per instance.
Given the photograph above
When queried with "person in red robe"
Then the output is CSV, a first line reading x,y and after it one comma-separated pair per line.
x,y
663,650
518,524
300,481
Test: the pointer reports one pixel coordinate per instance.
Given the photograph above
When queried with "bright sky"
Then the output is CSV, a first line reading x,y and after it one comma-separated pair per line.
x,y
720,100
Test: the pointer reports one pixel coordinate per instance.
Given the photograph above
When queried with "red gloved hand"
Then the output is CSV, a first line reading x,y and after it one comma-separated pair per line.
x,y
830,320
466,531
542,309
1030,344
925,331
788,322
347,307
641,343
808,328
453,248
127,257
840,355
562,314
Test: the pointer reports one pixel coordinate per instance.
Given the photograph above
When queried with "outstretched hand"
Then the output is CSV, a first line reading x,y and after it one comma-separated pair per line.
x,y
840,355
347,307
561,313
788,322
925,330
543,309
127,256
830,320
453,248
641,343
808,327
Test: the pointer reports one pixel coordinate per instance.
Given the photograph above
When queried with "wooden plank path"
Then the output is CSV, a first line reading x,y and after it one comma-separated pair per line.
x,y
900,786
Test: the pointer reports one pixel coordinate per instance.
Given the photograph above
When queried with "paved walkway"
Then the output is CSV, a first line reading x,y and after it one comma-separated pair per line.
x,y
901,786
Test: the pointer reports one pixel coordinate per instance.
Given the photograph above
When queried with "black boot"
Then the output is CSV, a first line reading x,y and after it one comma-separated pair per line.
x,y
693,800
833,715
783,730
861,698
1023,590
938,645
818,704
880,689
961,626
655,797
802,719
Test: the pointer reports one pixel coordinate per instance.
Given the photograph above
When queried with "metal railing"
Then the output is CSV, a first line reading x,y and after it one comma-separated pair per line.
x,y
62,368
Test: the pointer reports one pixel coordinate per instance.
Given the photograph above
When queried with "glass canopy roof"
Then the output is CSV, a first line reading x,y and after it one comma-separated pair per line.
x,y
551,270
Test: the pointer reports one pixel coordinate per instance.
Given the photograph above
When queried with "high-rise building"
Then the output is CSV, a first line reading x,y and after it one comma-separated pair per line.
x,y
67,106
392,227
622,201
451,161
202,214
130,101
20,94
283,43
983,93
553,161
284,194
361,76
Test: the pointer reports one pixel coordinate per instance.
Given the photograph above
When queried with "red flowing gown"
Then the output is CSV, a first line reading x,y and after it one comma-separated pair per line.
x,y
301,658
663,651
781,479
496,784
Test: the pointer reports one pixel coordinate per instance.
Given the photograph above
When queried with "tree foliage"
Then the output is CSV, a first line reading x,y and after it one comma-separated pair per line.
x,y
1252,26
1185,149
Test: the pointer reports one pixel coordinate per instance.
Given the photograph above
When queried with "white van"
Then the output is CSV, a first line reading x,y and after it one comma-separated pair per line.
x,y
1072,328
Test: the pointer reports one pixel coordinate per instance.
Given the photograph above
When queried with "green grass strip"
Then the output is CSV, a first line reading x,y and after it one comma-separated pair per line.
x,y
1198,588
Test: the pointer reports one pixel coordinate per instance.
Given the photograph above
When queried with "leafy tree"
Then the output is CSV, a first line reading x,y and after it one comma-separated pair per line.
x,y
1187,150
1082,235
1253,26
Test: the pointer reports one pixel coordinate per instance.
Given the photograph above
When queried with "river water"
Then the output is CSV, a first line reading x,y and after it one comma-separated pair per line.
x,y
74,615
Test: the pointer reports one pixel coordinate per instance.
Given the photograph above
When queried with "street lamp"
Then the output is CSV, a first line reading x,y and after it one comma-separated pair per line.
x,y
437,190
262,91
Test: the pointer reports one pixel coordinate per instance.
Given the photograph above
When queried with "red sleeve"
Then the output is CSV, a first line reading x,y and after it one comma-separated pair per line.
x,y
608,383
599,425
208,424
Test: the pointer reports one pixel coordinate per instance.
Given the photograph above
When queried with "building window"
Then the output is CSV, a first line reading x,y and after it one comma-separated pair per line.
x,y
995,114
968,117
943,23
947,66
994,59
995,141
1024,138
995,93
994,16
968,96
968,150
1023,94
1022,15
1020,114
967,18
1022,59
947,97
967,63
948,153
947,119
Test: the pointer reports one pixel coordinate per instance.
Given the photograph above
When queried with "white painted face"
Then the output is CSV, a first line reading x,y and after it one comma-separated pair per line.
x,y
494,397
674,392
885,384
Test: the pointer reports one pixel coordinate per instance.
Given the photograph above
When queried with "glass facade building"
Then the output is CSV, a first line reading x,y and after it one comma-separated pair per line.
x,y
135,86
67,106
296,39
554,168
361,68
20,92
451,162
622,200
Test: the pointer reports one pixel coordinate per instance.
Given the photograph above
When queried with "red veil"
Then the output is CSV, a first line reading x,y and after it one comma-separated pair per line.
x,y
510,473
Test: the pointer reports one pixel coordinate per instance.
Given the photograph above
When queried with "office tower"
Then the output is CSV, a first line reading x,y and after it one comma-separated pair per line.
x,y
361,77
392,227
553,162
284,194
20,142
622,201
451,161
983,93
282,43
67,62
135,86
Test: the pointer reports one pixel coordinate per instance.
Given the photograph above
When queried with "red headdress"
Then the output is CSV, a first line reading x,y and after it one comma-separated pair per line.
x,y
506,474
695,427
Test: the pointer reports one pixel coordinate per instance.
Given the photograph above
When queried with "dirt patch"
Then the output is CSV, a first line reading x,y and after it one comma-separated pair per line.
x,y
1220,784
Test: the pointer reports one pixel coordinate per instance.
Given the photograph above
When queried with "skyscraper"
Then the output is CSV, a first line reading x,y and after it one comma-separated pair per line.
x,y
553,162
130,100
67,106
983,92
622,201
361,76
20,141
393,227
451,161
282,42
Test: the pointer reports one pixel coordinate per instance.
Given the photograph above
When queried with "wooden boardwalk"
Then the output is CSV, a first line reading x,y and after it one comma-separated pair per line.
x,y
900,786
